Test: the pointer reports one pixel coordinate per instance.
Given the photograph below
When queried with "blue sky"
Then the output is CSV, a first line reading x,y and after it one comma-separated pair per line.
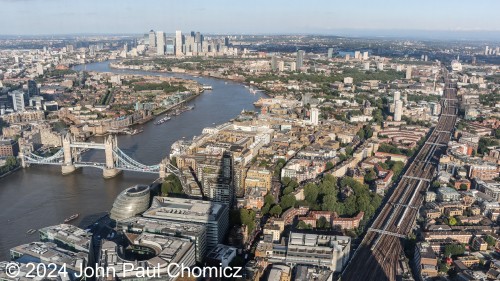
x,y
33,17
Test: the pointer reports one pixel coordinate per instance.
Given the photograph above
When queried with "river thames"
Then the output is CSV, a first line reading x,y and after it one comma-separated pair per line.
x,y
40,196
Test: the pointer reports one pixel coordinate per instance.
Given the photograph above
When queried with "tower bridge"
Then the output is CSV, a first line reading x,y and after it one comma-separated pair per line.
x,y
69,158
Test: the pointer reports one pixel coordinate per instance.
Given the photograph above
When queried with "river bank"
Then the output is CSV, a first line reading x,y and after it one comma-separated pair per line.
x,y
192,73
10,172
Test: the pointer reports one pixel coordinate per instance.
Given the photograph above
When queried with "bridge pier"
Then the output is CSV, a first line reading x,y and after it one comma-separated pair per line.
x,y
108,173
67,169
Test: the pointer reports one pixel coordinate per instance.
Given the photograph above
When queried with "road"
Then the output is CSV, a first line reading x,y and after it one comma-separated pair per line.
x,y
378,256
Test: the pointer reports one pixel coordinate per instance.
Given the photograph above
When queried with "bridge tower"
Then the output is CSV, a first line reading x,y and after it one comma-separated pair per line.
x,y
67,167
163,169
110,145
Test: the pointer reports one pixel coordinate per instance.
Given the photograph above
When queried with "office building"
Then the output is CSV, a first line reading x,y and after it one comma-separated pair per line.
x,y
67,237
300,59
398,110
36,102
293,66
152,39
221,255
357,55
32,89
178,43
365,55
380,66
160,43
330,53
326,251
486,50
17,100
170,47
195,233
41,252
165,251
214,216
131,202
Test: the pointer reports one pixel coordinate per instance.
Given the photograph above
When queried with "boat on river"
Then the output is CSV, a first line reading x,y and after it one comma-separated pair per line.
x,y
71,218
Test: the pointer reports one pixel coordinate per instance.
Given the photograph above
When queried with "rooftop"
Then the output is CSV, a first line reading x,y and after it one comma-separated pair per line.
x,y
162,226
68,234
184,209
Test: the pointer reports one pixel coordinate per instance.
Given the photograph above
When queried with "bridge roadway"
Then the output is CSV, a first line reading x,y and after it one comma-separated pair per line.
x,y
377,257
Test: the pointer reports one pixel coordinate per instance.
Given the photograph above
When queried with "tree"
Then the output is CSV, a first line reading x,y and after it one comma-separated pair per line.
x,y
436,184
388,148
293,184
288,190
370,176
350,206
302,225
275,211
452,221
361,134
463,186
322,222
329,165
279,164
484,143
248,219
490,240
265,209
443,267
286,180
287,201
454,250
269,199
397,167
311,193
171,185
342,157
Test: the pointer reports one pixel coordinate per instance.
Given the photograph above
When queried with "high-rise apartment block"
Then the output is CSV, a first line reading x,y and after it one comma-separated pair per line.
x,y
398,110
300,59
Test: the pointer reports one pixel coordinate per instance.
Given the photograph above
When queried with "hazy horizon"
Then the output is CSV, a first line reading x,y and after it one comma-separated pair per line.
x,y
358,18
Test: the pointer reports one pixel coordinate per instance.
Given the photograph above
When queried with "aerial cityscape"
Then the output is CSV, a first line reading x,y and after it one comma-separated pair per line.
x,y
220,141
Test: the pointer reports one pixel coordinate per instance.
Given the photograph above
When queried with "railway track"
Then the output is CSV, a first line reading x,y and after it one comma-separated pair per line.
x,y
378,255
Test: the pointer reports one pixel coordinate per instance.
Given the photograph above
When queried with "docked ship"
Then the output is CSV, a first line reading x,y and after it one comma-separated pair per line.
x,y
72,217
31,231
207,87
163,120
136,131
